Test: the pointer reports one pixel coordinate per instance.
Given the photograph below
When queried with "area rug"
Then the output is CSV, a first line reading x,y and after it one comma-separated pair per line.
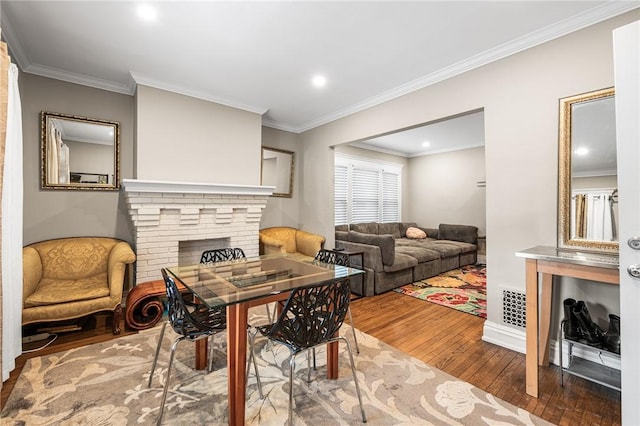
x,y
106,384
464,289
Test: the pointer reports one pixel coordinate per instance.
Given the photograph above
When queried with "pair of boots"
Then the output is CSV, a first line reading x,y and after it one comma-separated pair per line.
x,y
578,325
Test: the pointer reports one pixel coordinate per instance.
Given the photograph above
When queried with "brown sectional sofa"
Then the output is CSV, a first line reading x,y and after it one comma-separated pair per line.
x,y
393,260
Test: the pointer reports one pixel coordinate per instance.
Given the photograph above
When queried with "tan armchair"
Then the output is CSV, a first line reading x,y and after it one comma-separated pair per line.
x,y
69,278
290,240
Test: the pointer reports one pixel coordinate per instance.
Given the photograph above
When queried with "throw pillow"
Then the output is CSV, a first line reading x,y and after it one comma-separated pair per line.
x,y
415,233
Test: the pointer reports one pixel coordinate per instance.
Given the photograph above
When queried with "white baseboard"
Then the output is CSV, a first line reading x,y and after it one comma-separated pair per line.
x,y
502,335
515,340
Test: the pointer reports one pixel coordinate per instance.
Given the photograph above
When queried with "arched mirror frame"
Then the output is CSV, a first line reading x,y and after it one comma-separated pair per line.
x,y
564,175
45,116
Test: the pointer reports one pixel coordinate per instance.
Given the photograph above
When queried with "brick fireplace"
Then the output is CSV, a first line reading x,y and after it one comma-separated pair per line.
x,y
175,221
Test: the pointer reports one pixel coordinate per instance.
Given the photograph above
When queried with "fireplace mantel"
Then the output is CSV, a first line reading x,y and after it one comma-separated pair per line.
x,y
136,185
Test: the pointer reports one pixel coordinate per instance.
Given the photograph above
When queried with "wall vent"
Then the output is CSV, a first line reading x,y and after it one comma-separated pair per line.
x,y
514,308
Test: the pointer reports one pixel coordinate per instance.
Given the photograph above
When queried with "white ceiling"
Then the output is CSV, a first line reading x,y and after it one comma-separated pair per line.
x,y
261,56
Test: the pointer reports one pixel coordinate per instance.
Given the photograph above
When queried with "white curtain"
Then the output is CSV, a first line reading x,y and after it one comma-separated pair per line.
x,y
52,154
599,214
12,231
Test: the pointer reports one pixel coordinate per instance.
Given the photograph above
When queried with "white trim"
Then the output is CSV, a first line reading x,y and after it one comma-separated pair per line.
x,y
364,145
562,28
373,163
136,185
575,23
182,90
443,150
505,336
515,340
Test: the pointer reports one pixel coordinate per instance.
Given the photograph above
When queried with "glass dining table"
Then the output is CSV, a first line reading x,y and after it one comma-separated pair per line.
x,y
242,284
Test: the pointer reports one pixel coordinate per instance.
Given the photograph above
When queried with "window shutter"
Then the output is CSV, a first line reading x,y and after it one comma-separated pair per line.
x,y
366,190
390,197
365,195
340,183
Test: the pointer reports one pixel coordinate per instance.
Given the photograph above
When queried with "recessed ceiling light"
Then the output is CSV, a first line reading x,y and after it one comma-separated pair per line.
x,y
426,144
582,151
319,80
146,12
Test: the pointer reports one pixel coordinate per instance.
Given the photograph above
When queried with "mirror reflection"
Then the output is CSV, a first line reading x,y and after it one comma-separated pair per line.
x,y
588,172
79,152
277,171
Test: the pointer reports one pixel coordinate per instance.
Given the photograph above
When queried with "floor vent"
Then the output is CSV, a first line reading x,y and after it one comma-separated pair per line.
x,y
514,308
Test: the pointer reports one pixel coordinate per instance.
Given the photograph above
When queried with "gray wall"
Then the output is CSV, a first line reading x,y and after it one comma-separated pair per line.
x,y
443,189
184,139
520,96
56,213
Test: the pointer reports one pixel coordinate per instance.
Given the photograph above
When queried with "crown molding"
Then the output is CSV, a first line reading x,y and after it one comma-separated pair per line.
x,y
182,90
551,32
442,151
16,49
279,125
363,145
81,79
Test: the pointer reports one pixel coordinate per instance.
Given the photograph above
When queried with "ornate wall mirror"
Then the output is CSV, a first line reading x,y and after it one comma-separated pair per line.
x,y
588,194
277,170
79,153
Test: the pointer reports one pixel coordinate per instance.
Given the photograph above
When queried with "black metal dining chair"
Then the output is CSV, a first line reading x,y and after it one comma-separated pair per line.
x,y
341,259
311,317
192,319
222,255
225,255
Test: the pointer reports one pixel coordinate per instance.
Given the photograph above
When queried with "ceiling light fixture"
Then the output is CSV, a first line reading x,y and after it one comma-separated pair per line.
x,y
147,13
582,151
319,80
426,144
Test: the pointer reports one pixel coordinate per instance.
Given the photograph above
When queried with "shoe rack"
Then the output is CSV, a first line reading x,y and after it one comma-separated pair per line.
x,y
588,370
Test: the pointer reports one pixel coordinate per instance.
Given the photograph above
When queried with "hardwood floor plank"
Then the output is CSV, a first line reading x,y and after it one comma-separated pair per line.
x,y
452,341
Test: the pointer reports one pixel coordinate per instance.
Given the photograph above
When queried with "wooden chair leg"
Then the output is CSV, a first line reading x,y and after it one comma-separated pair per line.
x,y
117,314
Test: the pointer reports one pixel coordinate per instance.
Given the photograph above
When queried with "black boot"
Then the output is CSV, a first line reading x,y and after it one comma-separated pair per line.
x,y
590,330
612,338
570,327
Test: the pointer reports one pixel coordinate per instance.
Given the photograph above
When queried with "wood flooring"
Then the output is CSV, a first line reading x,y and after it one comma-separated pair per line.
x,y
446,339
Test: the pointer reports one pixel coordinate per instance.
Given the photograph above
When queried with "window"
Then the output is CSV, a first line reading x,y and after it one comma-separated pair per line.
x,y
366,190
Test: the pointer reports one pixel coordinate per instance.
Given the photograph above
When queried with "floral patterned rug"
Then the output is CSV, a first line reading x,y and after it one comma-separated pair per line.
x,y
106,384
464,289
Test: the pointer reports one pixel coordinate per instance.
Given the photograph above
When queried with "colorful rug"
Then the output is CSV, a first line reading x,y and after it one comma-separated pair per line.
x,y
463,289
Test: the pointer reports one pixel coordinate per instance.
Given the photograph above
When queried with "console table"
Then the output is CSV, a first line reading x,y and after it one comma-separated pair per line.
x,y
550,261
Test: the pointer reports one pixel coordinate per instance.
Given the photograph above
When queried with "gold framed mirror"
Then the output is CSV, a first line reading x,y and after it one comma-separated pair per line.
x,y
276,170
587,173
79,153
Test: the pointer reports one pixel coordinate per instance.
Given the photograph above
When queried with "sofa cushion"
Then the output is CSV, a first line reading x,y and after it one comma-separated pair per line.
x,y
55,291
365,228
389,229
464,233
342,228
385,242
464,247
418,253
400,262
415,233
342,235
444,248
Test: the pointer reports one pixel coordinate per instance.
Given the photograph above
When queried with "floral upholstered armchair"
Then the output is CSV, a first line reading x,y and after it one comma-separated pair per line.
x,y
290,240
69,278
